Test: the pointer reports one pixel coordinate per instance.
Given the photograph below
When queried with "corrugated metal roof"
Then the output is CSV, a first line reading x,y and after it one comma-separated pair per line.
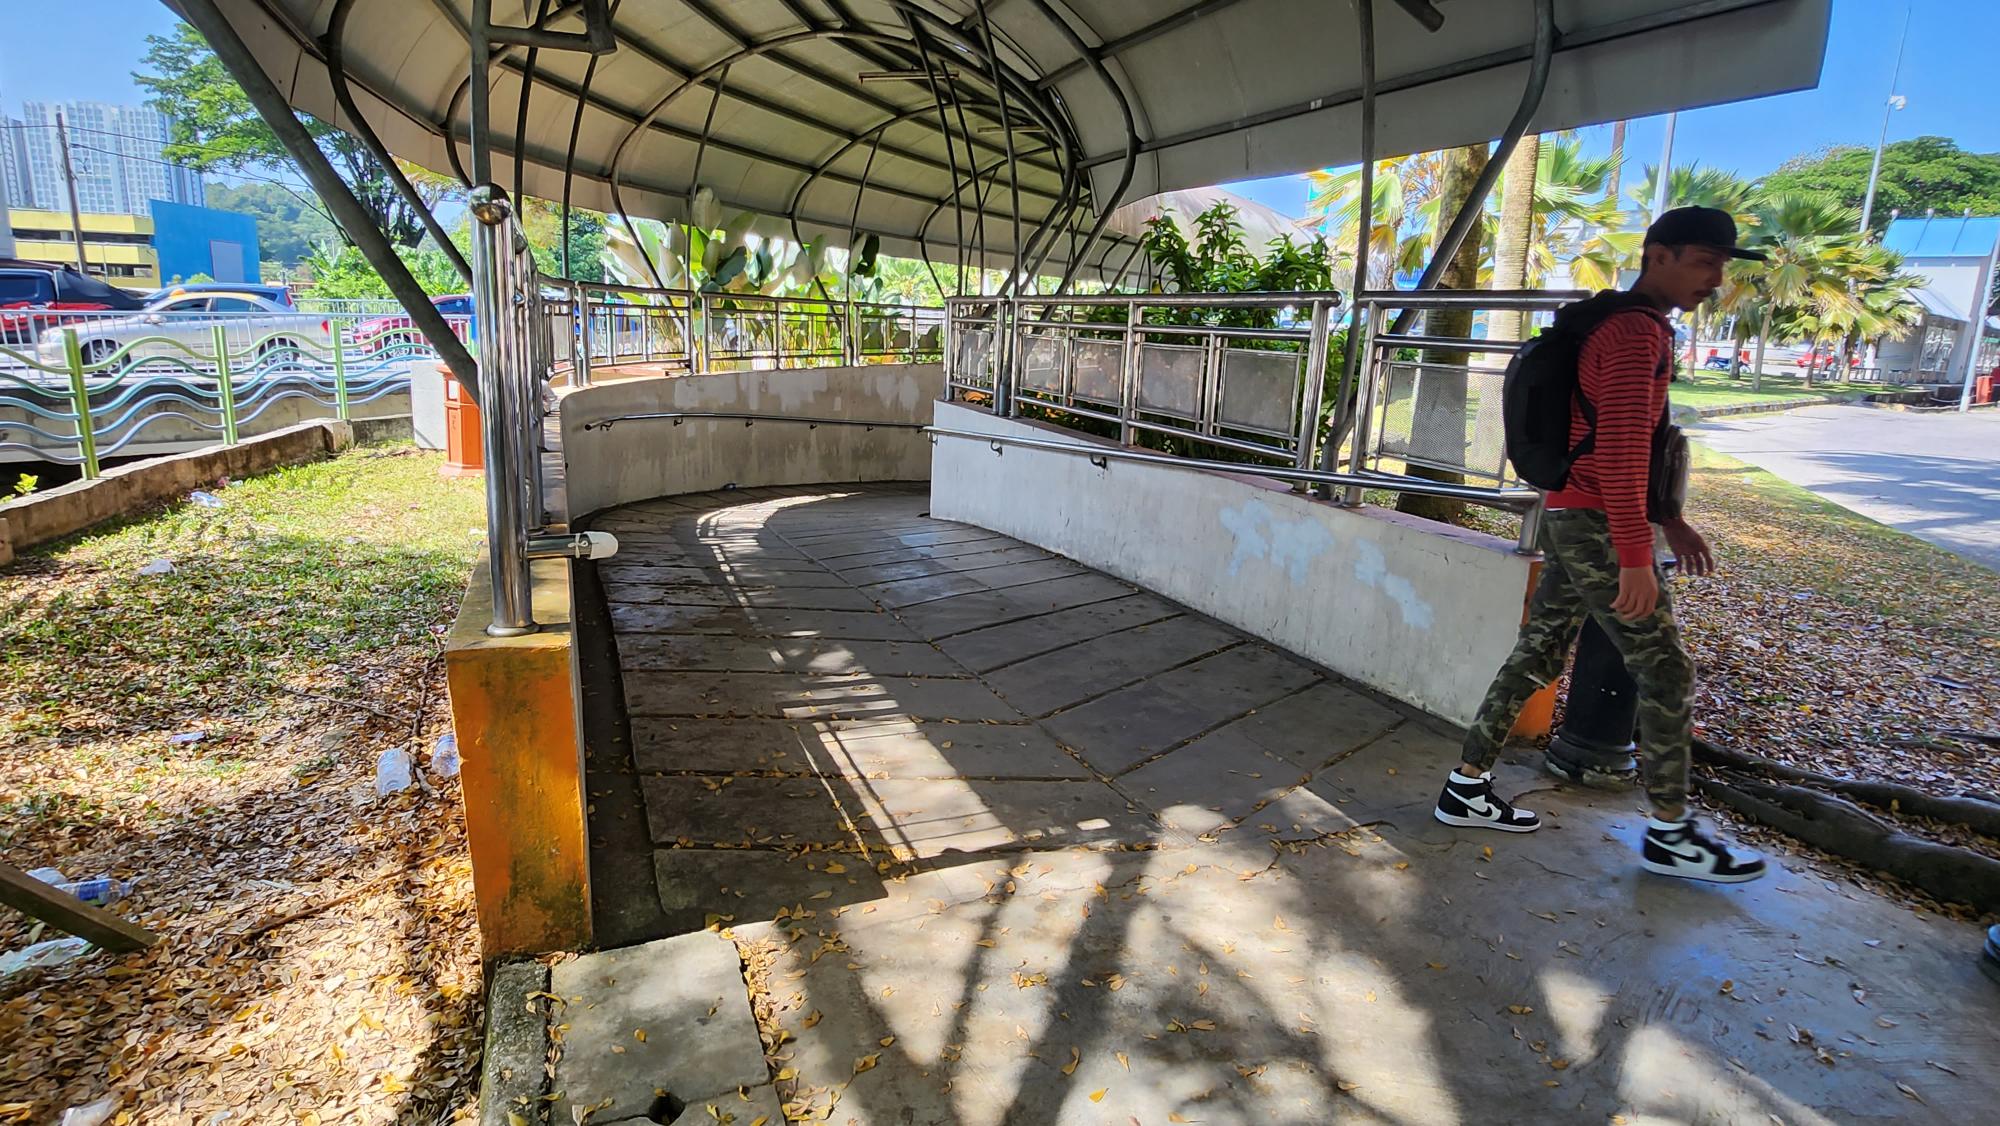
x,y
1954,236
1211,91
1937,305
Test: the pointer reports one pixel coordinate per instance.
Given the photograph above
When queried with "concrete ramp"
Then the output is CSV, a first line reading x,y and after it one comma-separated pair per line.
x,y
1002,840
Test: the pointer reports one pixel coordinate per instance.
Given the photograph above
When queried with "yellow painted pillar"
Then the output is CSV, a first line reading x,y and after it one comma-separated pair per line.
x,y
514,704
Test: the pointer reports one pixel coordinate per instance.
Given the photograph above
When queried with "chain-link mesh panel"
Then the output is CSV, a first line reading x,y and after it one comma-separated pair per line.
x,y
1260,391
1445,416
1041,364
1100,370
1170,379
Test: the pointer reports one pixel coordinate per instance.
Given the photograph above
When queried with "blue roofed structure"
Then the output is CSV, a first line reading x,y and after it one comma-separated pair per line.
x,y
1957,256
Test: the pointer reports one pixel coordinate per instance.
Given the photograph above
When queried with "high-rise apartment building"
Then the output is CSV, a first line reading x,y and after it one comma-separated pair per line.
x,y
116,151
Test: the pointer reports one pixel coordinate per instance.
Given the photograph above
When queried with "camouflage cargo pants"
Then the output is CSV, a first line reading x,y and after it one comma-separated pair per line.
x,y
1579,578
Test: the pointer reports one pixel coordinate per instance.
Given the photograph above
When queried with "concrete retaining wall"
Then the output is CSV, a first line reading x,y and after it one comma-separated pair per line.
x,y
1418,610
637,460
40,517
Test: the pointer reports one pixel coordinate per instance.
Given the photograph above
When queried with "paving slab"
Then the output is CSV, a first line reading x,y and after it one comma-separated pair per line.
x,y
930,565
678,1008
846,625
1069,676
1123,728
724,653
1206,939
948,616
786,597
983,650
791,696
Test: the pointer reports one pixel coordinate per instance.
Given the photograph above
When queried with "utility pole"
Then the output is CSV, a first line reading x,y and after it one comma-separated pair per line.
x,y
1665,178
69,181
1896,102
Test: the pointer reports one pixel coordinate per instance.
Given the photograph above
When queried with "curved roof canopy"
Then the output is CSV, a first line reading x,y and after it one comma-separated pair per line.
x,y
912,119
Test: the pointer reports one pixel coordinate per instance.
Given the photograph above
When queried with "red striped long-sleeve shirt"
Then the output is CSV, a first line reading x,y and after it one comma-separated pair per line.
x,y
1624,370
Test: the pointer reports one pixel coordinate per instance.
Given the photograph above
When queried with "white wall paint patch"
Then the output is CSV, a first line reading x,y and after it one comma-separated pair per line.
x,y
1372,569
1260,533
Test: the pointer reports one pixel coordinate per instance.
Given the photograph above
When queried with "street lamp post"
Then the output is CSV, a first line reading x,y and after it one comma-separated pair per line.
x,y
1896,102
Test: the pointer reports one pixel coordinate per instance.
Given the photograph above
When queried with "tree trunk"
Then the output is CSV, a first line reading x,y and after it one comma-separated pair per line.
x,y
1812,357
1438,423
1694,337
1757,371
1510,247
1617,160
1736,343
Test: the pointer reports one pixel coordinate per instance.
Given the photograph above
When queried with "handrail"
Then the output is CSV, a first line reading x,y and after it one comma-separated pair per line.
x,y
753,417
1267,299
1509,500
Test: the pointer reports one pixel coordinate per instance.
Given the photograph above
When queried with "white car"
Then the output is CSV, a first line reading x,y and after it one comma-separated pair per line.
x,y
190,319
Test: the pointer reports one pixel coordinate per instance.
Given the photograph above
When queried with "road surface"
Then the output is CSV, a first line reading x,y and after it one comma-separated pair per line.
x,y
1933,475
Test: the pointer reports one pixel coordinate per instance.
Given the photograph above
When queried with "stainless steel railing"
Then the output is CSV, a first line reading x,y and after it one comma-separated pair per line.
x,y
679,330
1252,376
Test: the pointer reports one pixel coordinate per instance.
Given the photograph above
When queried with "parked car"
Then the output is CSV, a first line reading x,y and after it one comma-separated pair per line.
x,y
378,333
281,294
34,295
191,320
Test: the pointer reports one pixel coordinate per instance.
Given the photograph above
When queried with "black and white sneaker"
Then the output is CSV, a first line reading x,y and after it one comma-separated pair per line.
x,y
1683,849
1470,803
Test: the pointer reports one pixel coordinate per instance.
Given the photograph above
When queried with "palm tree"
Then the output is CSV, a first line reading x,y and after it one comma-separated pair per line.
x,y
1693,185
1803,290
1405,208
1574,222
1518,187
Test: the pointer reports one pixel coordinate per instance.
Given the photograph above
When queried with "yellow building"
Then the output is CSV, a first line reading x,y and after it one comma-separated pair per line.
x,y
118,248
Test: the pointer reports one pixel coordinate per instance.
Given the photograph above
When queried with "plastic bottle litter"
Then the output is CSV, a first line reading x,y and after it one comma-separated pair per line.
x,y
186,738
54,952
444,756
205,499
91,1114
158,567
100,892
392,772
50,875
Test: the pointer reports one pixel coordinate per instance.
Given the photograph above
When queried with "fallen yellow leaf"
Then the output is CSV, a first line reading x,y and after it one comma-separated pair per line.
x,y
1075,1057
639,1034
867,1062
886,1041
1097,1096
1123,1061
812,1018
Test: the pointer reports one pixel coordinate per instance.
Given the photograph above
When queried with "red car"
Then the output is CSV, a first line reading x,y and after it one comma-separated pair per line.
x,y
378,333
33,295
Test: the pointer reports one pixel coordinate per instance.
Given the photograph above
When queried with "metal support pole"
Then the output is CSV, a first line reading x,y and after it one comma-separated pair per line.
x,y
493,298
69,181
531,335
79,390
579,372
223,386
341,409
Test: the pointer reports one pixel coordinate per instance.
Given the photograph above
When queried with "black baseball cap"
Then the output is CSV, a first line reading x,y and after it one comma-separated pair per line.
x,y
1699,226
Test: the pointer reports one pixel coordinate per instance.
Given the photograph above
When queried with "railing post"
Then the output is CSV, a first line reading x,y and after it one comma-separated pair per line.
x,y
500,430
1531,531
1369,375
1315,387
340,405
698,317
1128,381
79,390
224,386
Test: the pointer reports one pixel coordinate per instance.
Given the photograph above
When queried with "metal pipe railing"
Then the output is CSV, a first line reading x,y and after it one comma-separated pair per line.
x,y
749,418
494,290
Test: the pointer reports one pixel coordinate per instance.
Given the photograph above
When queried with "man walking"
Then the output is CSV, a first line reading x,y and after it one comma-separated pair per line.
x,y
1597,547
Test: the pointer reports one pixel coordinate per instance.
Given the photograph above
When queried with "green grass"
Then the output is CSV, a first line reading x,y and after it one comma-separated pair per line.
x,y
1702,389
299,571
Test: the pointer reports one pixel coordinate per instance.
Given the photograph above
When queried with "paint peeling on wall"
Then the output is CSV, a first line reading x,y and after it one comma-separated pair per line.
x,y
1372,569
1260,533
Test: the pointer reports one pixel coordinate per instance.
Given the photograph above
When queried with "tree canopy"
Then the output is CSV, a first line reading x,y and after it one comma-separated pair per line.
x,y
289,222
1917,175
216,129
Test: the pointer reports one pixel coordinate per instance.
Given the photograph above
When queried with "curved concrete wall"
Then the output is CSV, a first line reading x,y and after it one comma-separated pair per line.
x,y
1421,611
637,460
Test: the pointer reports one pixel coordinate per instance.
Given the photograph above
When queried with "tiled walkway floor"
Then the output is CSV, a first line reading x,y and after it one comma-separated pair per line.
x,y
1004,840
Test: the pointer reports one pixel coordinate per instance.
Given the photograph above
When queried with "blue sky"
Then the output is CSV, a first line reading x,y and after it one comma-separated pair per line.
x,y
86,49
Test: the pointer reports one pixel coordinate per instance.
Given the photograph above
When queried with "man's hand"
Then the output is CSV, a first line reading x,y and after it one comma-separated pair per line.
x,y
1638,593
1690,549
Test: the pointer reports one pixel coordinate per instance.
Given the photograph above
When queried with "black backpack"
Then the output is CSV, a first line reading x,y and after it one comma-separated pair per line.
x,y
1540,384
